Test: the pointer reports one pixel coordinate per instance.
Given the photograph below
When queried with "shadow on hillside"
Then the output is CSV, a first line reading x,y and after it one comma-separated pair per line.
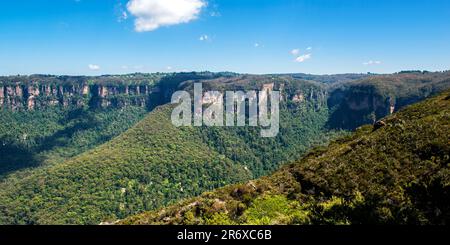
x,y
81,121
341,116
15,157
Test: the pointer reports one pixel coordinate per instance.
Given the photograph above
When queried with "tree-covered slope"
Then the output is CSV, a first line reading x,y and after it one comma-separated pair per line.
x,y
47,119
396,172
154,164
51,135
150,164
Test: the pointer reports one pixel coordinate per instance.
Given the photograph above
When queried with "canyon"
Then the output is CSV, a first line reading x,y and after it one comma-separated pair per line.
x,y
83,150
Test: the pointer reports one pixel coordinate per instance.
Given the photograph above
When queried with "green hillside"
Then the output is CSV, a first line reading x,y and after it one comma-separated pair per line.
x,y
142,168
46,119
396,172
50,136
154,164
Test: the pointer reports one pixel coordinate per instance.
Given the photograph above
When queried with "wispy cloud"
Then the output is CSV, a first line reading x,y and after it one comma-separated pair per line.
x,y
215,14
93,67
122,16
203,38
120,12
371,62
295,51
214,10
303,58
153,14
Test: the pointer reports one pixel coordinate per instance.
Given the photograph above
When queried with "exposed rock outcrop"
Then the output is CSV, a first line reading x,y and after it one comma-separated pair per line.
x,y
2,95
379,124
31,96
298,98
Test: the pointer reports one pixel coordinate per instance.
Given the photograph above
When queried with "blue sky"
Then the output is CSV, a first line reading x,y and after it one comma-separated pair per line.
x,y
93,37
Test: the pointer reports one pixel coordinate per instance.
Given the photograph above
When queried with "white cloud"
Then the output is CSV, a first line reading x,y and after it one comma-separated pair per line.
x,y
203,38
295,51
303,58
371,62
94,67
153,14
300,58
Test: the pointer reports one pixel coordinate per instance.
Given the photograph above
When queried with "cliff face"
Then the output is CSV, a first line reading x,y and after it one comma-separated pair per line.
x,y
32,96
355,107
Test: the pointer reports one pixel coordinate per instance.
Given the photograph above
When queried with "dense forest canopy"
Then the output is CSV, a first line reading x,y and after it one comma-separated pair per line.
x,y
395,172
113,152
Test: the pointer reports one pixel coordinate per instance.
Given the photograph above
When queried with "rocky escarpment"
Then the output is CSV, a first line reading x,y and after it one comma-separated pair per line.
x,y
356,107
366,101
35,95
293,92
317,95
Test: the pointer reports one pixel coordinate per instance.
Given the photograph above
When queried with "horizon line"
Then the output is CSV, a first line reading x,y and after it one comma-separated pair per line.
x,y
216,72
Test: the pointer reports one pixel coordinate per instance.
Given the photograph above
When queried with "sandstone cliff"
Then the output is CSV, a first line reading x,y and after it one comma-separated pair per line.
x,y
35,95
